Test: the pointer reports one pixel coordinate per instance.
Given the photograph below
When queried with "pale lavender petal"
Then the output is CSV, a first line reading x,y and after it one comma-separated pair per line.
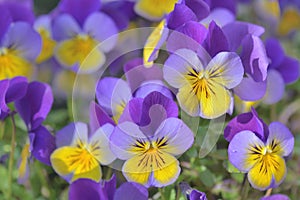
x,y
216,40
101,27
86,189
5,21
65,27
275,52
179,136
276,197
131,191
238,149
136,73
190,36
275,87
98,117
35,105
282,134
17,89
289,70
250,90
220,16
246,121
178,65
236,31
200,8
180,15
229,4
123,138
254,58
4,85
151,86
79,9
111,92
24,39
43,21
43,144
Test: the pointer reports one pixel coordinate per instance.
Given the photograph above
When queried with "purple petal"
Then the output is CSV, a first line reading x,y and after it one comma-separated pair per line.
x,y
5,21
190,36
282,134
289,70
254,58
215,41
131,191
151,86
4,85
111,92
101,27
180,15
136,73
197,195
199,7
43,21
35,105
250,90
275,52
133,111
65,27
17,89
275,87
219,15
276,197
43,144
246,121
19,12
229,4
179,136
236,31
79,9
98,117
238,149
24,39
86,189
109,186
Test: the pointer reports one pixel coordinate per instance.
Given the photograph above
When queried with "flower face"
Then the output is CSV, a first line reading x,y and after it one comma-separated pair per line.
x,y
263,160
82,158
150,159
203,90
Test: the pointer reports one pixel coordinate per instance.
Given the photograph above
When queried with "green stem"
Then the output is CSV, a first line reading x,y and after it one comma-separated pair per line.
x,y
70,107
177,192
11,157
245,188
273,113
2,128
108,173
162,194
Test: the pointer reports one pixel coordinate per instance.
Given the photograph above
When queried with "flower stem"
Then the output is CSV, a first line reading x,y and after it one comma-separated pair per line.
x,y
11,157
244,188
2,128
268,193
161,194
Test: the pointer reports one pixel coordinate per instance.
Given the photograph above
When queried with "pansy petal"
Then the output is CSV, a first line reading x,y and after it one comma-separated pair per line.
x,y
282,136
43,144
132,111
102,27
289,70
180,15
220,16
86,189
4,85
275,87
98,117
93,61
124,138
79,9
177,134
239,153
21,37
275,52
250,90
167,173
179,64
131,191
276,197
35,105
19,11
199,7
226,68
100,141
230,5
5,21
17,89
188,101
262,177
152,86
65,27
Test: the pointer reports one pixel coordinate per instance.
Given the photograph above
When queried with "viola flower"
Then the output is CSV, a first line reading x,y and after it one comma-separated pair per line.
x,y
204,87
154,10
150,157
260,151
190,193
43,26
106,190
19,47
78,46
276,197
78,154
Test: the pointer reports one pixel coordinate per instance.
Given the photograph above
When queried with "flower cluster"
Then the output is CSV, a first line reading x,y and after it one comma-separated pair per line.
x,y
138,88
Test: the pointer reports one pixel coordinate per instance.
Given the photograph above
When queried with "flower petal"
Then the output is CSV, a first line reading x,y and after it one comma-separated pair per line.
x,y
65,27
86,189
220,16
289,70
131,191
275,87
250,90
188,101
180,15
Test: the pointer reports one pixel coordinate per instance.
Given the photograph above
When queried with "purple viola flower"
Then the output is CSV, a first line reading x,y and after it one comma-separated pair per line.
x,y
150,157
106,190
276,197
190,193
282,70
79,38
260,154
11,90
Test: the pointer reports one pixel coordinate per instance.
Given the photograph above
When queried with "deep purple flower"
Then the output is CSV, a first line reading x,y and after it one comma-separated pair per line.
x,y
106,190
276,197
258,151
19,10
190,193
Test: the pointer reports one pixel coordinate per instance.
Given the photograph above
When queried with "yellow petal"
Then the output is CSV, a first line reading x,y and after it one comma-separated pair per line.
x,y
290,21
154,9
48,45
188,100
24,161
